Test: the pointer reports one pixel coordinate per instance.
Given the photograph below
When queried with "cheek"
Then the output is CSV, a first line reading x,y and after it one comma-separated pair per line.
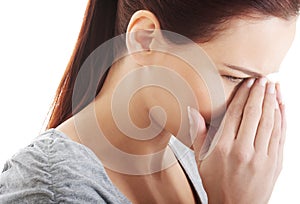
x,y
204,100
210,106
207,105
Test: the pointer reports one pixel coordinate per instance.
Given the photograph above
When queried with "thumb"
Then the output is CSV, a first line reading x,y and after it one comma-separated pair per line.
x,y
198,132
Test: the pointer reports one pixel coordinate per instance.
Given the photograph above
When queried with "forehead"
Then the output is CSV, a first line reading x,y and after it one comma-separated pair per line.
x,y
259,44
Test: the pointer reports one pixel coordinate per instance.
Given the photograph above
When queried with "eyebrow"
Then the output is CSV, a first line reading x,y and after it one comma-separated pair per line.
x,y
244,70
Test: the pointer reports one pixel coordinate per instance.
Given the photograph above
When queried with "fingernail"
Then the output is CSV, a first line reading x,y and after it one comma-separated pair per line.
x,y
250,82
271,88
190,115
263,81
193,121
198,132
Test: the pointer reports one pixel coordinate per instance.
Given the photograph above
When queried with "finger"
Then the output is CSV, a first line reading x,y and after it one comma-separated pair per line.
x,y
251,115
283,123
282,139
266,123
197,130
233,115
276,134
279,95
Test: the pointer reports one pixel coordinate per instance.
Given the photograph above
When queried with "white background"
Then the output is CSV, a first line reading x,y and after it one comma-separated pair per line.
x,y
36,42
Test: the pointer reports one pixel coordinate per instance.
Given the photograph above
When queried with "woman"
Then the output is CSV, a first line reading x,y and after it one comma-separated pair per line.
x,y
108,145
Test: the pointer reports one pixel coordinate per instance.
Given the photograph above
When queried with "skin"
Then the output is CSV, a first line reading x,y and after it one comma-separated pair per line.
x,y
248,155
243,152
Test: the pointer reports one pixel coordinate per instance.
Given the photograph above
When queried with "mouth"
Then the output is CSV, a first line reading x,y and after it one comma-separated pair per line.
x,y
207,125
214,124
211,125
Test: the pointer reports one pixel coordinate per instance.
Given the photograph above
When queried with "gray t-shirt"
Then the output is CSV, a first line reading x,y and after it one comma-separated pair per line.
x,y
55,169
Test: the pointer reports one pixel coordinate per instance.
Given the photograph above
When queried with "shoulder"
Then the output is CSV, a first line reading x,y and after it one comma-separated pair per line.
x,y
55,169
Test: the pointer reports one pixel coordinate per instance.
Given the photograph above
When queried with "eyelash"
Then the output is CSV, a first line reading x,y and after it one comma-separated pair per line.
x,y
233,79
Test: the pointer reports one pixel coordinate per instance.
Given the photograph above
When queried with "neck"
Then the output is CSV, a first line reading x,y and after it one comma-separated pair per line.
x,y
96,129
117,126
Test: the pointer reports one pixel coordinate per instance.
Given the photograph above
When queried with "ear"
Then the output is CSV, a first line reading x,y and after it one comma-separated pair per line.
x,y
143,31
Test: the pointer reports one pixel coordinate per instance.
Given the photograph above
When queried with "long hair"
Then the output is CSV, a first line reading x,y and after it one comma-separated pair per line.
x,y
199,20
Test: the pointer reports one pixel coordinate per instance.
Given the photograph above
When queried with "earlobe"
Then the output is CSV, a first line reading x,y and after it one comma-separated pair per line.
x,y
141,32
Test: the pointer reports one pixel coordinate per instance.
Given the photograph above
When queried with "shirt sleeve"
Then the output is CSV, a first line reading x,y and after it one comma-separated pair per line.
x,y
46,172
26,178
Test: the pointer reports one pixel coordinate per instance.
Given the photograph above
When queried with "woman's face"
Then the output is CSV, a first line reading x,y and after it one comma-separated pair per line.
x,y
247,48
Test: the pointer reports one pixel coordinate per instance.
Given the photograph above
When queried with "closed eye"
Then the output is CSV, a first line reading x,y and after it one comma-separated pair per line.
x,y
234,79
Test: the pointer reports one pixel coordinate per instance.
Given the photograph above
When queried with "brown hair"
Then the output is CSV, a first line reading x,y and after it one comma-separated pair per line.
x,y
199,20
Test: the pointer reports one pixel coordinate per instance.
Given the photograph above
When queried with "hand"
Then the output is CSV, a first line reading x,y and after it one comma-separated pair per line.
x,y
245,162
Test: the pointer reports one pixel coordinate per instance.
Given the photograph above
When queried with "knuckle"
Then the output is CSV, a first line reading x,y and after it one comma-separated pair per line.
x,y
257,163
242,156
269,100
252,111
235,112
222,150
281,140
267,123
